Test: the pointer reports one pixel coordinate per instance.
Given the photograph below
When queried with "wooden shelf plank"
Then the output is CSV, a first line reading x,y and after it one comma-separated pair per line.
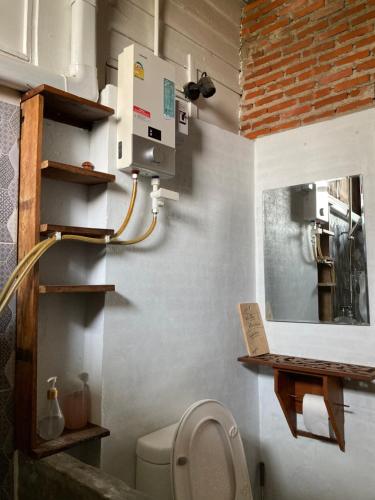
x,y
46,229
72,173
43,289
314,436
68,108
312,366
69,439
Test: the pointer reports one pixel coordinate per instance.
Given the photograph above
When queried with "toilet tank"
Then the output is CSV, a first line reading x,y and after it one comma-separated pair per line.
x,y
153,472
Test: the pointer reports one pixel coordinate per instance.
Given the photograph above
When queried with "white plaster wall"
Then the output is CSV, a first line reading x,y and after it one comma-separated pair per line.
x,y
304,468
38,32
172,332
206,29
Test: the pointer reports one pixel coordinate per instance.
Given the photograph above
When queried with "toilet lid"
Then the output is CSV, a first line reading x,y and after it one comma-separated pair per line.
x,y
207,456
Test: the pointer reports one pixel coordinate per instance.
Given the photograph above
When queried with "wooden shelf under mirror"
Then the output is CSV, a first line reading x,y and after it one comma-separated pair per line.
x,y
295,376
313,366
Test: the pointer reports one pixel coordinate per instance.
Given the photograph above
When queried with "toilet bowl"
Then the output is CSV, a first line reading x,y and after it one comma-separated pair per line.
x,y
199,458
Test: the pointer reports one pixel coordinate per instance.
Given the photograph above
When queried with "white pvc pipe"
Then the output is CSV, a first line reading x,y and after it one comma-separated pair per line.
x,y
83,33
156,27
82,69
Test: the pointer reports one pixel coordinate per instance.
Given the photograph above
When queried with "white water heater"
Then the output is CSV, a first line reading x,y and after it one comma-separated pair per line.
x,y
146,110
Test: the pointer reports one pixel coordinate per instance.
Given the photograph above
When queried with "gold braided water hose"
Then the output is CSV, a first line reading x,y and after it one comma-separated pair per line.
x,y
21,272
20,265
140,238
125,222
28,262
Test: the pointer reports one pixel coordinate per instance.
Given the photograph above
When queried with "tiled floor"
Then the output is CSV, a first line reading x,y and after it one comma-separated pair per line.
x,y
9,133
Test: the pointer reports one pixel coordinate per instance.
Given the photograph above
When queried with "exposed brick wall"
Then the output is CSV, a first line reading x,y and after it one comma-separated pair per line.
x,y
305,60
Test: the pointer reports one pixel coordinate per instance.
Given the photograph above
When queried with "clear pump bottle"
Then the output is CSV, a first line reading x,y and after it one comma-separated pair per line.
x,y
52,424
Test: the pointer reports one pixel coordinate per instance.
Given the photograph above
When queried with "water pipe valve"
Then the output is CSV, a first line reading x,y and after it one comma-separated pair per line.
x,y
158,195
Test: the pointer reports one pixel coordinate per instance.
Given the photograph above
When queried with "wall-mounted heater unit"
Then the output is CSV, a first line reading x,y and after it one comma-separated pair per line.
x,y
146,110
316,202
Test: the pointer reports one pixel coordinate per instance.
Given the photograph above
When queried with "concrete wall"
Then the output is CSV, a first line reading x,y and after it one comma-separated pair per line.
x,y
172,332
62,477
304,468
29,31
38,32
206,29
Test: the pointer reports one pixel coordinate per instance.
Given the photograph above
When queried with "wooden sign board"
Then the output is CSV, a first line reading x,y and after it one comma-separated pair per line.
x,y
253,329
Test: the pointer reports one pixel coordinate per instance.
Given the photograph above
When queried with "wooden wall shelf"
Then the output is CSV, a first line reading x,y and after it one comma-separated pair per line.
x,y
47,229
71,173
313,366
68,108
294,377
69,439
43,289
37,104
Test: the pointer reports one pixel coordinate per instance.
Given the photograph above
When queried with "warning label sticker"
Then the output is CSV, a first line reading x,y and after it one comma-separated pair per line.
x,y
139,71
141,112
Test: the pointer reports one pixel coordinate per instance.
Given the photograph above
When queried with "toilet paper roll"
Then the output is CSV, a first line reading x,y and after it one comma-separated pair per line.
x,y
315,415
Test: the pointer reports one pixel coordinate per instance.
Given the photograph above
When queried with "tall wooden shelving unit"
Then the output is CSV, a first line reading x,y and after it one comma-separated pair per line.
x,y
37,104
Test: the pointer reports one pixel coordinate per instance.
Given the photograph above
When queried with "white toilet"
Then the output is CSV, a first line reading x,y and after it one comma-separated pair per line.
x,y
199,458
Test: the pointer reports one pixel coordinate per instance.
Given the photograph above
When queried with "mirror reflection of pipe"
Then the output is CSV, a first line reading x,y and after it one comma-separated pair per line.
x,y
350,238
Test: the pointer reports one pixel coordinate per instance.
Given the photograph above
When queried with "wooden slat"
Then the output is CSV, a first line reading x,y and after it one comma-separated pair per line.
x,y
284,387
314,436
46,229
68,108
69,439
334,400
28,293
72,173
314,366
76,288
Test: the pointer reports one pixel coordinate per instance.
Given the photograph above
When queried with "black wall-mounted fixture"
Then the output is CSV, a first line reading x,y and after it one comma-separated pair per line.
x,y
205,86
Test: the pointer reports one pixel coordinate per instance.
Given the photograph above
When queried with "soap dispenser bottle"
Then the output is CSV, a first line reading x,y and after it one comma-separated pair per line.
x,y
52,424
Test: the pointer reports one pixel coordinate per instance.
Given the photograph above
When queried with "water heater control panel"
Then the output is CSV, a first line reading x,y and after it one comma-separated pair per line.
x,y
147,113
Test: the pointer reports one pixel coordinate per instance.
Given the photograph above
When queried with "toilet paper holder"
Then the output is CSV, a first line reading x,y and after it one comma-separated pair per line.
x,y
290,387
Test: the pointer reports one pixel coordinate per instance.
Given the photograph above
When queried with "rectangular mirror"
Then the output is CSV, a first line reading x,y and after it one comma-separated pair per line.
x,y
315,253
